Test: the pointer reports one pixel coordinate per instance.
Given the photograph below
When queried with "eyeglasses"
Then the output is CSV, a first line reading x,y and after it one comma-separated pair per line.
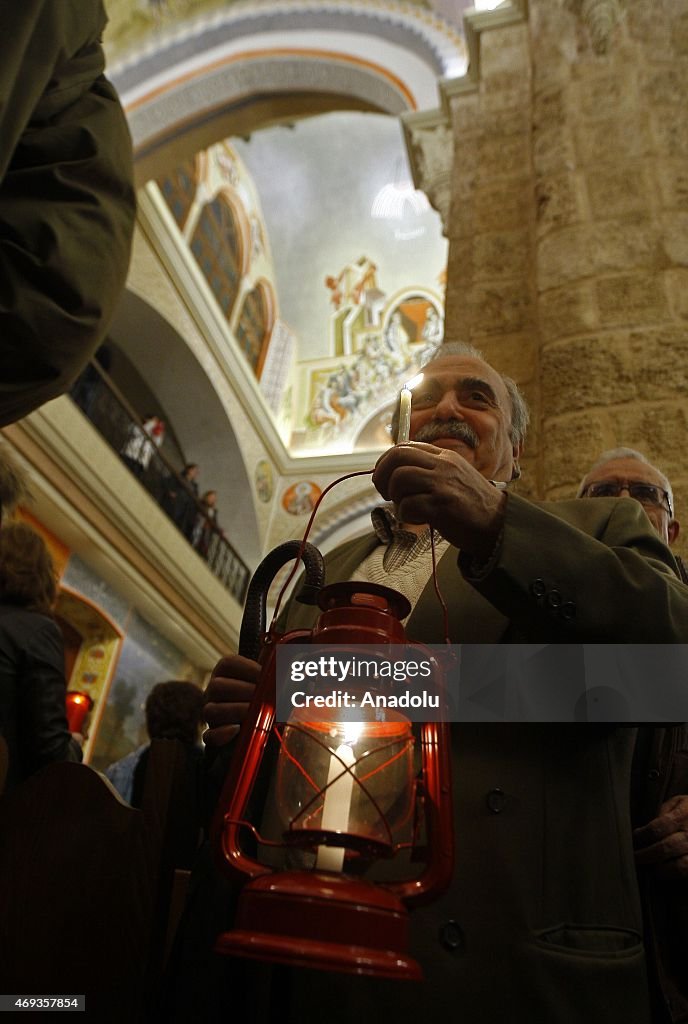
x,y
646,494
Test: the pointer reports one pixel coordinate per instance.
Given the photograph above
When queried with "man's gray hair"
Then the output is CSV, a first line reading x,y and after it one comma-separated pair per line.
x,y
626,453
520,416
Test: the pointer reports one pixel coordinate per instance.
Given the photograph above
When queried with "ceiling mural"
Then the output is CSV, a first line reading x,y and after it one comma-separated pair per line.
x,y
328,266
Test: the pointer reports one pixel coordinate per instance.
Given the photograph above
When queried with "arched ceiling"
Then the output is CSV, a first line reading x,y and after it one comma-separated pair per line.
x,y
211,70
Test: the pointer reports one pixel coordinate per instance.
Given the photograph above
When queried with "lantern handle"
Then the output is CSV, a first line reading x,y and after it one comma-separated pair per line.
x,y
255,615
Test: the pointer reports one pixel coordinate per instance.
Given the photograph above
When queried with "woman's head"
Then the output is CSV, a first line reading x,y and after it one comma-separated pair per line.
x,y
27,574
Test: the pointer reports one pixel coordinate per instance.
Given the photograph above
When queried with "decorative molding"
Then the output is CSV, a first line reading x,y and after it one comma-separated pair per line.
x,y
423,32
432,157
429,134
600,18
82,488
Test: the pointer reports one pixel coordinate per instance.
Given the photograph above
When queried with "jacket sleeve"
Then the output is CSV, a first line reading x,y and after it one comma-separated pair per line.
x,y
44,736
66,198
586,571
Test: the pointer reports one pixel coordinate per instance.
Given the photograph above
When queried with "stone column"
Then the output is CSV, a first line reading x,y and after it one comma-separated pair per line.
x,y
610,141
491,290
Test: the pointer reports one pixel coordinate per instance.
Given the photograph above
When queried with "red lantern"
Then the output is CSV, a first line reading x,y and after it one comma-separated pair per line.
x,y
78,709
342,797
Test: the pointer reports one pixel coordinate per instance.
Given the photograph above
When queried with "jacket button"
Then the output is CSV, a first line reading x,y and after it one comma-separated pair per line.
x,y
568,610
653,774
554,599
495,800
538,588
451,936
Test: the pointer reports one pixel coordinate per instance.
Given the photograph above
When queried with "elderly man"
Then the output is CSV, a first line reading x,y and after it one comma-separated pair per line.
x,y
627,471
542,920
660,766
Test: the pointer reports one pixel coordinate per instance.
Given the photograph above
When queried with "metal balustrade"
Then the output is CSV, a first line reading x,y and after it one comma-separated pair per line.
x,y
116,421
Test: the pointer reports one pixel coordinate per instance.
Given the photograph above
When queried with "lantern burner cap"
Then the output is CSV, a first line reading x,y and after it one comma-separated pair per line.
x,y
313,837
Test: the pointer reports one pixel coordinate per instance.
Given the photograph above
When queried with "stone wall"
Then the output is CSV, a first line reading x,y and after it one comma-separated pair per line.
x,y
491,290
569,230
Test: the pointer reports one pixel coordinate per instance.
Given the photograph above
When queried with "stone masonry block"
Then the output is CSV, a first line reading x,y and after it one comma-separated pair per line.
x,y
501,254
514,83
677,289
675,237
649,28
632,299
573,442
550,108
659,430
611,141
580,251
553,150
504,205
500,156
670,132
515,355
600,96
504,308
568,311
558,201
679,34
664,85
465,111
586,373
618,192
673,183
503,123
616,367
504,49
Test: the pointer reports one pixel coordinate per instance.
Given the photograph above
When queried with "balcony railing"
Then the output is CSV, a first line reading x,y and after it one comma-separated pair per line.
x,y
106,407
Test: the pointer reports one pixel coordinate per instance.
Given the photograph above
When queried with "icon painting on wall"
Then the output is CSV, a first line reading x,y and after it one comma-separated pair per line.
x,y
300,498
264,480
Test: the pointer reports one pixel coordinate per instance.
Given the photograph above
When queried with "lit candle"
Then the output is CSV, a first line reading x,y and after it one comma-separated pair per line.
x,y
404,428
335,815
404,431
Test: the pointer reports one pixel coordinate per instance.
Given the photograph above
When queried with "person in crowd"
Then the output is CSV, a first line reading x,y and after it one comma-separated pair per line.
x,y
180,501
206,524
626,471
173,712
142,441
88,387
542,919
67,200
659,789
33,719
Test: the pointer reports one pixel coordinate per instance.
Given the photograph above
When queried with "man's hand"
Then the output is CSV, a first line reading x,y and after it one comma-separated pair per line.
x,y
437,486
227,698
662,844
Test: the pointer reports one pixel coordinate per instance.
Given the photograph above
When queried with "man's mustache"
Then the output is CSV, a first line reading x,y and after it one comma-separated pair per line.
x,y
457,429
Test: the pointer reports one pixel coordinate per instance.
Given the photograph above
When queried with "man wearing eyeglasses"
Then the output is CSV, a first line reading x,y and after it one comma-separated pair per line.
x,y
626,472
660,773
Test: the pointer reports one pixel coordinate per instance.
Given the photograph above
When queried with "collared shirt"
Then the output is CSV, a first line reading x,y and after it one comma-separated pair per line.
x,y
402,560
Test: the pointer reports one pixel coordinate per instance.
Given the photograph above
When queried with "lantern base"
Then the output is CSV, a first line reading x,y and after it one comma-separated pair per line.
x,y
292,918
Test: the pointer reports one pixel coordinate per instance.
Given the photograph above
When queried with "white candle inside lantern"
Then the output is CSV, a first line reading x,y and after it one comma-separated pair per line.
x,y
335,815
404,431
404,428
